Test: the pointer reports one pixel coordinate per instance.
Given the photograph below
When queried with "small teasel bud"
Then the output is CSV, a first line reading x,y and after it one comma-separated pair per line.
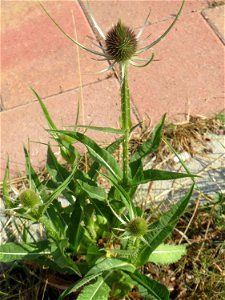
x,y
121,42
29,198
137,227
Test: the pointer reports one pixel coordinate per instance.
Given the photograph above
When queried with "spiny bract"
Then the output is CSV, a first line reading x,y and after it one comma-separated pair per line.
x,y
121,42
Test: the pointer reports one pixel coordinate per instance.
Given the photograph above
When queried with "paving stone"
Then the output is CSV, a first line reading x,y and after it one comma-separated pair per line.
x,y
189,76
101,108
133,12
35,53
216,19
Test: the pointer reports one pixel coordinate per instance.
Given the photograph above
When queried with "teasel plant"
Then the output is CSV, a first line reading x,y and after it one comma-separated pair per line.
x,y
120,46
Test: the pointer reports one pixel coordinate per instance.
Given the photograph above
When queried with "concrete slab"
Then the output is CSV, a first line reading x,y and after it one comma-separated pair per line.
x,y
216,19
35,53
101,108
189,76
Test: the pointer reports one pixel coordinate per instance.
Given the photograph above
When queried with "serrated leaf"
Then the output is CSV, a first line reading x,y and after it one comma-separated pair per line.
x,y
102,129
97,153
95,192
106,264
10,252
77,285
151,144
153,175
159,230
167,254
95,291
58,172
150,288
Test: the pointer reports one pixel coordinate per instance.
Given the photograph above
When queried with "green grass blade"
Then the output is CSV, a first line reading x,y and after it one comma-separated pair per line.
x,y
151,144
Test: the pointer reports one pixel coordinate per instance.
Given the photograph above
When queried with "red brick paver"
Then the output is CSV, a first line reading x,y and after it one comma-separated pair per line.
x,y
28,121
35,53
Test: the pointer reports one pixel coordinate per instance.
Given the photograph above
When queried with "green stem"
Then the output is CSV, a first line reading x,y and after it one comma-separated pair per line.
x,y
125,118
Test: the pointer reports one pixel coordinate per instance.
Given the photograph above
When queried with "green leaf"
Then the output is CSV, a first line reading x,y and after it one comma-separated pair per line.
x,y
151,144
51,124
31,174
153,175
106,264
94,192
6,196
159,230
58,172
77,285
74,226
167,254
102,129
95,291
65,263
150,288
10,252
95,167
100,155
58,190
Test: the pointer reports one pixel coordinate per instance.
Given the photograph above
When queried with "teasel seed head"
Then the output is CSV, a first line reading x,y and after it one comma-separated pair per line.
x,y
29,198
121,43
137,227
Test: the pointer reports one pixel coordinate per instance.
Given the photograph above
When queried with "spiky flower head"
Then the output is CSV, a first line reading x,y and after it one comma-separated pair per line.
x,y
29,198
121,42
137,227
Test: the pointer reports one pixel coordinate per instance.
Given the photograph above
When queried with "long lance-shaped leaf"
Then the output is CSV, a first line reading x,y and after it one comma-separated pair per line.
x,y
31,174
159,230
58,191
6,196
153,175
10,252
51,124
149,288
97,153
102,129
95,167
95,291
107,264
77,285
164,34
151,144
